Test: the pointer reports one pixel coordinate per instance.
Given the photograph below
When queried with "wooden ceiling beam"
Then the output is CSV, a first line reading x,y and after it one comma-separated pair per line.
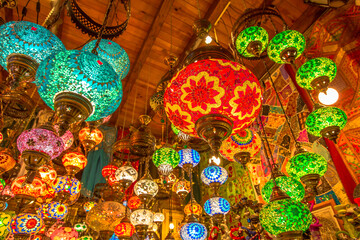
x,y
149,41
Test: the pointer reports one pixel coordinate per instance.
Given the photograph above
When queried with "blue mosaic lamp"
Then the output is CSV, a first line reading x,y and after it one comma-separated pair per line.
x,y
217,207
113,53
214,176
78,85
189,158
23,46
193,231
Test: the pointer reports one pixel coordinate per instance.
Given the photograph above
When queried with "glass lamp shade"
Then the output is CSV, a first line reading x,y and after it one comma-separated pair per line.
x,y
89,205
25,223
189,157
108,170
317,69
193,231
40,140
113,53
180,134
105,216
87,237
126,173
157,101
64,233
306,163
285,215
7,162
159,217
175,130
84,74
47,174
134,202
244,141
252,41
5,219
214,174
216,205
80,227
124,229
196,208
74,160
166,156
182,186
53,210
87,134
146,188
212,86
29,39
142,217
286,46
1,137
325,118
67,184
2,184
289,185
68,139
34,189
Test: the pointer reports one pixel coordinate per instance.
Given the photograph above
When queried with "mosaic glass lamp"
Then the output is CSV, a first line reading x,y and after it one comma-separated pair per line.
x,y
37,147
124,230
217,207
78,85
64,233
113,53
2,184
90,137
214,176
134,202
89,205
141,219
165,159
252,41
326,122
189,158
53,210
66,187
289,185
182,188
193,208
285,217
286,46
108,170
5,219
180,134
193,231
241,147
307,167
213,93
159,217
74,162
7,162
20,187
316,74
47,174
146,188
25,224
80,227
126,175
24,45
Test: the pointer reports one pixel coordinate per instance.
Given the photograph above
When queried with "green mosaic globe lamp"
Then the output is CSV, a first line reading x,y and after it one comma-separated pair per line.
x,y
307,167
165,159
24,45
326,122
284,217
79,86
251,42
286,46
316,74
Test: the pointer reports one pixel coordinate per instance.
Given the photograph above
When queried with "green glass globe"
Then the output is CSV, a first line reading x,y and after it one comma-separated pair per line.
x,y
289,185
252,41
285,215
286,46
326,122
306,163
166,156
316,73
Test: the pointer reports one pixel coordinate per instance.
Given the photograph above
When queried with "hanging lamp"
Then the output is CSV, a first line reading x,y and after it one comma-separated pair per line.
x,y
217,207
165,159
189,158
214,176
141,219
90,137
252,41
73,162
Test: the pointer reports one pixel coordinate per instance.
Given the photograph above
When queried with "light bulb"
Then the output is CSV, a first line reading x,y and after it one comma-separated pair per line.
x,y
329,97
171,226
208,39
215,160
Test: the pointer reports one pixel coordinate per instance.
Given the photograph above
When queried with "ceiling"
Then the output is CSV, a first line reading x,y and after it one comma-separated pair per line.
x,y
149,35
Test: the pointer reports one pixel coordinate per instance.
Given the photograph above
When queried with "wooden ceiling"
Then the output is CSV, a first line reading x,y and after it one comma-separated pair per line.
x,y
149,34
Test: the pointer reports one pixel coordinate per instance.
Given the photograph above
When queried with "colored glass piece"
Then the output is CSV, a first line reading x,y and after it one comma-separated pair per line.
x,y
68,139
212,86
306,163
248,35
108,170
25,223
189,156
74,159
80,227
91,134
289,185
2,184
244,141
87,237
113,53
134,202
182,185
53,210
124,229
314,68
166,156
325,117
283,41
126,173
48,174
35,189
67,184
89,205
214,174
79,72
193,231
64,233
29,39
284,216
142,217
216,205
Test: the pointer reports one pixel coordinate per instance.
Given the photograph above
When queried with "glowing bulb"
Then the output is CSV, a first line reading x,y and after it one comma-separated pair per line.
x,y
329,97
215,160
171,226
208,39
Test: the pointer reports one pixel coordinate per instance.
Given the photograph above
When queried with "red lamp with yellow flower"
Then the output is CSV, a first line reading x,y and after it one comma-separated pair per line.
x,y
90,137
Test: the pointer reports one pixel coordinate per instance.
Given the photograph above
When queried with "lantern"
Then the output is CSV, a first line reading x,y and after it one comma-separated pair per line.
x,y
217,207
159,217
34,189
165,159
53,210
141,219
126,175
25,223
146,188
66,187
193,208
134,202
64,233
189,158
214,176
252,41
80,227
74,162
89,138
124,230
47,174
193,231
7,162
108,170
182,188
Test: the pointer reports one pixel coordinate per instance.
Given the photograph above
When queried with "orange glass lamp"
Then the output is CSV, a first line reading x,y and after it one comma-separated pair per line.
x,y
124,230
134,202
74,162
7,162
193,208
90,137
25,193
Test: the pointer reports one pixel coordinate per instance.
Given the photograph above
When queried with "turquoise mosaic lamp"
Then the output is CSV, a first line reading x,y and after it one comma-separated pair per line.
x,y
23,46
78,85
113,53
